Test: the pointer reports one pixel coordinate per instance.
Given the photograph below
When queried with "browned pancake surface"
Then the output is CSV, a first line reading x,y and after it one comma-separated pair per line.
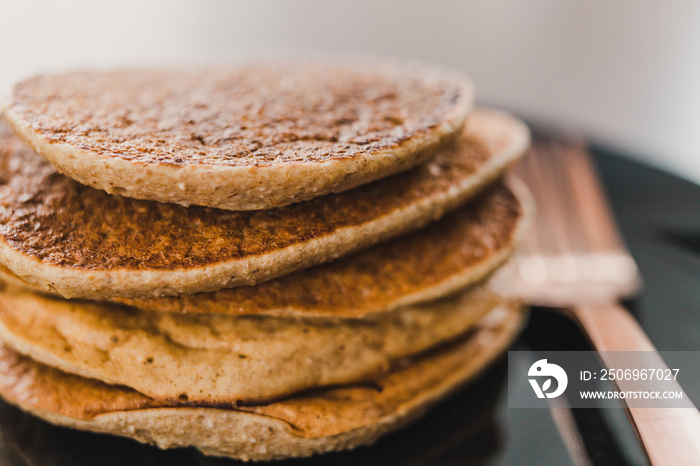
x,y
256,115
59,221
462,247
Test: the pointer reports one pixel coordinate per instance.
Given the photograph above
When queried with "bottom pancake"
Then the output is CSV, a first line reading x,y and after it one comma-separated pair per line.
x,y
315,422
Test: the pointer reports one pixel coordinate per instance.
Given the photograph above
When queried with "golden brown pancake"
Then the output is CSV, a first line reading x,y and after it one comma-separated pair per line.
x,y
81,242
302,425
230,359
258,136
454,252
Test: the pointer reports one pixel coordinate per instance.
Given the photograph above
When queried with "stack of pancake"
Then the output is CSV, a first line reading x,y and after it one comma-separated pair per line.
x,y
268,261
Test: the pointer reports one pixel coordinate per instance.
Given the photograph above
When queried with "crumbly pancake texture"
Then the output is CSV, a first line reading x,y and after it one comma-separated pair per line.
x,y
255,137
448,255
81,242
230,359
320,421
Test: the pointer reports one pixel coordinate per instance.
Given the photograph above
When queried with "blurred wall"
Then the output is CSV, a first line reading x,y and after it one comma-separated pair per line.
x,y
626,72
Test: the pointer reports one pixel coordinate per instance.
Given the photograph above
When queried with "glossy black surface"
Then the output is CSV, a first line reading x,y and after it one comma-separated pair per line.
x,y
658,214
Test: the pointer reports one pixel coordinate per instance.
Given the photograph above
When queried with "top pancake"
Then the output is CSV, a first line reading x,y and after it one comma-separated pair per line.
x,y
258,136
81,242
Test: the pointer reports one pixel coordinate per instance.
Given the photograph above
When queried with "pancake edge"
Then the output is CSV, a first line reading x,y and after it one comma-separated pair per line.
x,y
462,310
449,285
72,282
242,188
250,436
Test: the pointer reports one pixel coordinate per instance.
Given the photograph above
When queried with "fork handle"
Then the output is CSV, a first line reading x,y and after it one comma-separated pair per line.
x,y
670,436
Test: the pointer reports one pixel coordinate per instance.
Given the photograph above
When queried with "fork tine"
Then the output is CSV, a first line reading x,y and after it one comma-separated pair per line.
x,y
574,248
533,173
564,183
575,217
595,216
551,227
564,266
553,202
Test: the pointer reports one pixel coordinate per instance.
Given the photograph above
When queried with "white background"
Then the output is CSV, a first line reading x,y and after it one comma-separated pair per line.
x,y
626,72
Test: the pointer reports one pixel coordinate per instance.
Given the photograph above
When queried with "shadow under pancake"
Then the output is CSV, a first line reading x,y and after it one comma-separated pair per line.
x,y
462,429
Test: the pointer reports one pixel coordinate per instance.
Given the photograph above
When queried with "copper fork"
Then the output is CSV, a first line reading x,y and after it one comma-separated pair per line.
x,y
574,260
